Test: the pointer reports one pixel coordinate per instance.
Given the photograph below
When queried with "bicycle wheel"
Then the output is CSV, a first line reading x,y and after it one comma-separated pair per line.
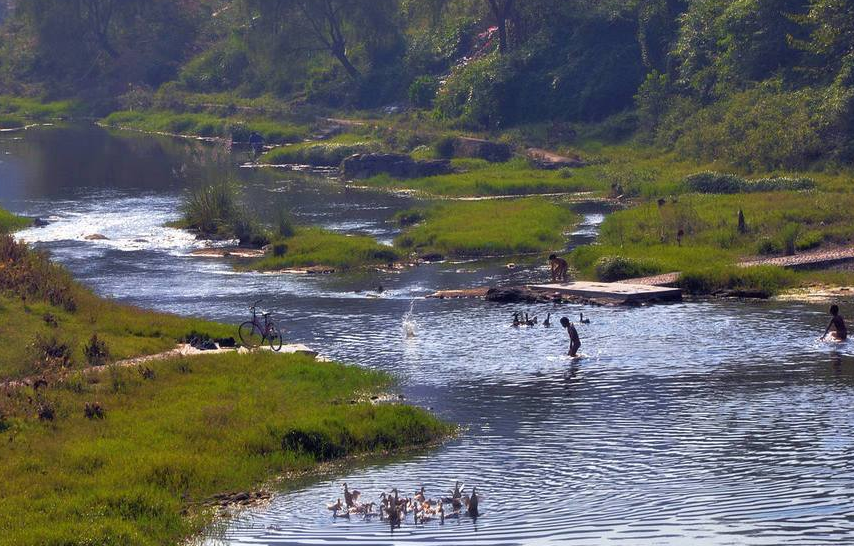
x,y
275,339
250,335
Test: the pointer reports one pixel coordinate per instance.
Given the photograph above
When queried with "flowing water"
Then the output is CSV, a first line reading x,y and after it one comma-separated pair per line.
x,y
714,422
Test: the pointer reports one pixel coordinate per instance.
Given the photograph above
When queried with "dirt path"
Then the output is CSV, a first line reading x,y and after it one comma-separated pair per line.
x,y
815,258
179,351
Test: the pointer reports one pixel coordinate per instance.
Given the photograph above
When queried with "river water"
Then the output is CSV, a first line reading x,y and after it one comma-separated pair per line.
x,y
712,422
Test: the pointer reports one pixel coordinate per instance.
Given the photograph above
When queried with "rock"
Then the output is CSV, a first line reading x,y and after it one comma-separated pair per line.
x,y
360,166
431,257
516,294
97,237
38,222
542,159
496,152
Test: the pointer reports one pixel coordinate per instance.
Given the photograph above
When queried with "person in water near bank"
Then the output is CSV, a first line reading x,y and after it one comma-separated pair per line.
x,y
837,323
257,143
559,268
574,340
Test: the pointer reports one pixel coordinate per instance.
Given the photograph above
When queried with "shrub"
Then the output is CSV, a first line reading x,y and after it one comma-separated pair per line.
x,y
50,352
617,268
422,92
96,351
713,182
31,274
789,235
767,245
444,147
285,223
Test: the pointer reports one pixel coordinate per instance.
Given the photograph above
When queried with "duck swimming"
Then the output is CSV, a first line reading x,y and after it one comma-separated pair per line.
x,y
335,506
584,320
472,504
351,497
548,322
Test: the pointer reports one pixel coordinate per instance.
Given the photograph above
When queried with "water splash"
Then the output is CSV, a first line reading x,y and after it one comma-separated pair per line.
x,y
409,324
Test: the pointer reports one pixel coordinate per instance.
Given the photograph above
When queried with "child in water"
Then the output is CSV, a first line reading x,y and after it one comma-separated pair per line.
x,y
840,333
574,340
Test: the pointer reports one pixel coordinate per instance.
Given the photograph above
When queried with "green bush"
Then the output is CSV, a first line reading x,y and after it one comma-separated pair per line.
x,y
618,268
444,147
422,92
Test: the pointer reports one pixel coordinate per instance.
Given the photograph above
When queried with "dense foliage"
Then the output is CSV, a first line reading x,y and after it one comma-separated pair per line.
x,y
764,84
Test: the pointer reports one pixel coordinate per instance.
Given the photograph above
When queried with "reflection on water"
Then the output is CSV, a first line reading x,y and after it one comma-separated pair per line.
x,y
695,423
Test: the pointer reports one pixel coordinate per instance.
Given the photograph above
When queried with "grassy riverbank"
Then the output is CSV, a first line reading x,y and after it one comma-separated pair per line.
x,y
327,153
10,222
16,112
171,439
207,125
469,229
134,455
312,246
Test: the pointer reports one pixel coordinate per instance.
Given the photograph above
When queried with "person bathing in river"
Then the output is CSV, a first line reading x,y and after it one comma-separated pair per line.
x,y
837,323
256,141
559,268
574,340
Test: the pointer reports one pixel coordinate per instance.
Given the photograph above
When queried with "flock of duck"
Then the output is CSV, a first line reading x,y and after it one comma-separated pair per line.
x,y
522,319
394,509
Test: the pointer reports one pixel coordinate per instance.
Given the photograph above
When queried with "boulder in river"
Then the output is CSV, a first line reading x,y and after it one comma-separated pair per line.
x,y
38,222
360,166
97,237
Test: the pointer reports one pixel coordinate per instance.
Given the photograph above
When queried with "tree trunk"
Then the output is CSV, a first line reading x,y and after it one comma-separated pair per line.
x,y
340,53
502,35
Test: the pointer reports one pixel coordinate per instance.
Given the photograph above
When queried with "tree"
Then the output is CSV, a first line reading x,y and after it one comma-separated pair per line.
x,y
502,11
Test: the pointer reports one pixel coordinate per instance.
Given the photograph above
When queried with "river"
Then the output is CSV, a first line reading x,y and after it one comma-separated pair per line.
x,y
708,422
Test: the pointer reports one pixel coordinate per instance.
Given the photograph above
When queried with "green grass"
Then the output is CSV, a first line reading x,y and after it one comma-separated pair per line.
x,y
489,228
761,281
206,125
312,246
168,443
170,438
9,222
326,153
18,111
478,178
648,232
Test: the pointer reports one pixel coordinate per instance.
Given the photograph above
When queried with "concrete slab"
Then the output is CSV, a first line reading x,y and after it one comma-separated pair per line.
x,y
612,290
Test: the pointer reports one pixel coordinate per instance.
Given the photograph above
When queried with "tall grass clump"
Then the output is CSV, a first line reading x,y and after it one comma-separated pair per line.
x,y
489,228
215,211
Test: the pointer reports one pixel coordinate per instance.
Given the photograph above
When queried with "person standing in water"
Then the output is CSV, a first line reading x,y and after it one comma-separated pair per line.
x,y
574,340
559,268
837,323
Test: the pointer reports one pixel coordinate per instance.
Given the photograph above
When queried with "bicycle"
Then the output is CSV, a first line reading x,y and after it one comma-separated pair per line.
x,y
253,333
